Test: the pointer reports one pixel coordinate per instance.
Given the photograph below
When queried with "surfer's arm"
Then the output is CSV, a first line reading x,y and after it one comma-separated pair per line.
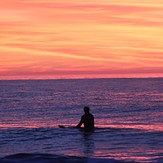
x,y
80,123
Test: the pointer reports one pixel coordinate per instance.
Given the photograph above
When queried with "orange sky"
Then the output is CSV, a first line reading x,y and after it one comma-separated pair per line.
x,y
75,39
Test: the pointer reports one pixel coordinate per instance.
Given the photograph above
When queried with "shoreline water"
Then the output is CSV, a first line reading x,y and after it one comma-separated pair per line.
x,y
51,158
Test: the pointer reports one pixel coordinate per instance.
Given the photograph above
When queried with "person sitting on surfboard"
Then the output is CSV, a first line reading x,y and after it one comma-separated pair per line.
x,y
87,119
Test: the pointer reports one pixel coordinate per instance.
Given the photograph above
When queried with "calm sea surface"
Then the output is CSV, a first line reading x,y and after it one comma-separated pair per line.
x,y
128,116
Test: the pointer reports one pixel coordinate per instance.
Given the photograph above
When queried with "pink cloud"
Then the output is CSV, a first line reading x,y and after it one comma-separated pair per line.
x,y
49,38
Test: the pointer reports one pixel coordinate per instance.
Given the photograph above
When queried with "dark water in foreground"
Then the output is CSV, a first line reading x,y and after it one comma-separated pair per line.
x,y
128,116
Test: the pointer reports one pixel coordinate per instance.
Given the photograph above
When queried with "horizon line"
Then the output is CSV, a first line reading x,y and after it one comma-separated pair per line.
x,y
82,78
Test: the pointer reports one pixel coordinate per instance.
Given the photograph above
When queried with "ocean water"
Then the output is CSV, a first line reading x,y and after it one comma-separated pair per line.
x,y
128,119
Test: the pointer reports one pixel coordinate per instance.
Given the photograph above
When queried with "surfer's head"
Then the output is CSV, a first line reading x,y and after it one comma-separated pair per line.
x,y
86,109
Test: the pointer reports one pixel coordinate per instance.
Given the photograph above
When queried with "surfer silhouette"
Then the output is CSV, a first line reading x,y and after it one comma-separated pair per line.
x,y
87,119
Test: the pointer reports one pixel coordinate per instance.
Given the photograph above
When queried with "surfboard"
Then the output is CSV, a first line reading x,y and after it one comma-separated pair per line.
x,y
62,126
74,127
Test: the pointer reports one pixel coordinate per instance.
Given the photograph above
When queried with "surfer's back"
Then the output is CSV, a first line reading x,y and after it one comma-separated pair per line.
x,y
88,120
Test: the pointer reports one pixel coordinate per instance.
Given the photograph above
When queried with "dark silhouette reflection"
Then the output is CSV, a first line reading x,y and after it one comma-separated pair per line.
x,y
87,119
88,144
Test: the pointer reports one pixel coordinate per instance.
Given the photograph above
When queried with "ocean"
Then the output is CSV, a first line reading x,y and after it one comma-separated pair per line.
x,y
128,120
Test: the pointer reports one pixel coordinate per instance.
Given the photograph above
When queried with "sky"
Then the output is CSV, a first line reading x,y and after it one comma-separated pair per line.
x,y
49,39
